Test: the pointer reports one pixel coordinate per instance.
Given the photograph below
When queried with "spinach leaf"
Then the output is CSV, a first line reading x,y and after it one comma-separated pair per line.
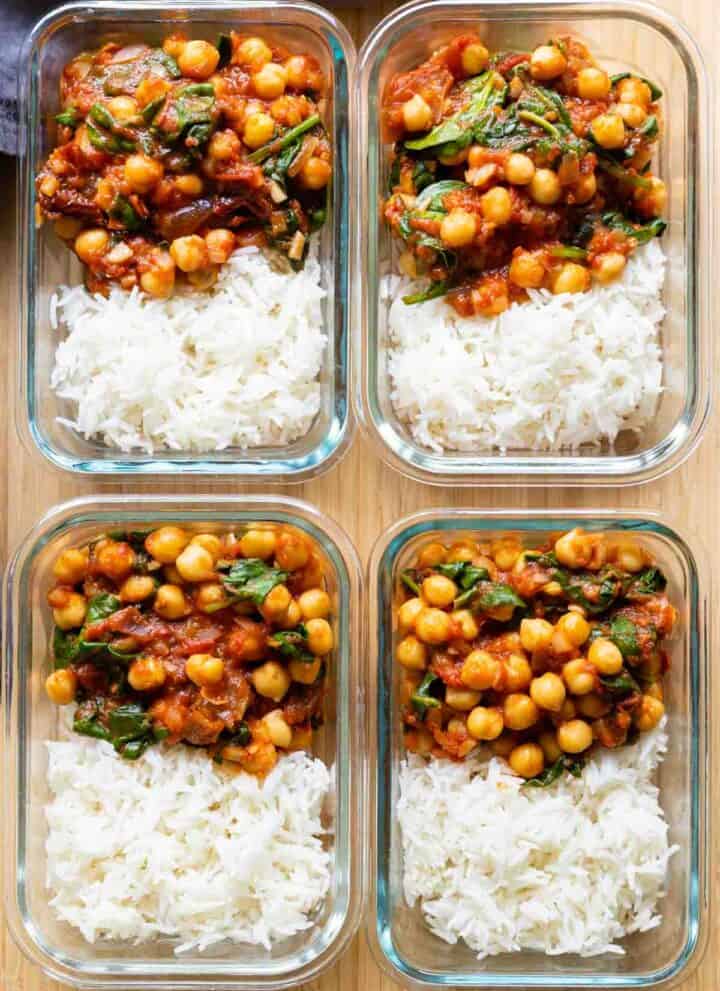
x,y
224,46
648,582
495,595
100,607
69,117
552,773
292,644
641,232
422,176
655,91
649,128
123,211
434,291
567,251
167,63
467,576
618,172
623,634
576,585
110,143
621,685
65,647
128,727
91,726
423,698
277,144
241,735
410,580
253,579
454,569
150,111
431,198
456,132
102,116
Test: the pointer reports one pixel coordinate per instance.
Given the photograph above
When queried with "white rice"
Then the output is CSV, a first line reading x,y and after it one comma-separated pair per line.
x,y
571,868
236,366
550,373
172,845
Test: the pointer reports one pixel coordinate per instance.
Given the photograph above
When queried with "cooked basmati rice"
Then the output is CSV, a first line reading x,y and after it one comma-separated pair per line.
x,y
571,868
551,373
236,366
173,845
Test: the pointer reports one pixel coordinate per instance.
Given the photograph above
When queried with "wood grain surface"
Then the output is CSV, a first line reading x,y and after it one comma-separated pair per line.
x,y
365,497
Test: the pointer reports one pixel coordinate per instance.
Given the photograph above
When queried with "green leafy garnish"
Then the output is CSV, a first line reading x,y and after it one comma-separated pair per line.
x,y
128,728
618,172
292,644
241,735
422,176
467,576
431,198
278,144
150,111
69,117
648,582
495,595
253,579
102,116
623,634
423,699
409,579
641,232
621,685
552,773
123,211
655,91
65,647
567,251
110,143
456,133
100,607
434,291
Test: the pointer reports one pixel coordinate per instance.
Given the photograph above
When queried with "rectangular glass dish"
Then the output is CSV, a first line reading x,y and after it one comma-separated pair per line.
x,y
31,719
403,944
46,263
622,35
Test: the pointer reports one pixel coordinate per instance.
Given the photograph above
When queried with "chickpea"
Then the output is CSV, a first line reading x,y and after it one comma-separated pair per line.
x,y
417,115
649,713
145,674
278,730
271,680
315,604
292,552
654,200
259,129
431,555
548,692
189,184
485,723
519,711
166,544
506,553
320,637
518,673
189,253
480,670
569,711
270,81
592,706
71,566
123,108
210,596
258,543
223,146
608,266
585,188
467,623
67,228
579,676
632,90
174,45
504,744
519,169
159,281
220,245
439,591
458,228
547,62
605,656
461,699
496,206
571,277
632,114
549,744
315,173
526,269
527,760
575,627
172,575
198,59
61,686
49,185
151,88
574,549
204,670
575,736
136,588
115,559
462,550
433,626
474,58
91,245
170,602
210,541
408,613
655,690
608,130
297,77
253,52
629,557
593,83
293,615
276,604
195,564
553,589
535,634
545,187
305,672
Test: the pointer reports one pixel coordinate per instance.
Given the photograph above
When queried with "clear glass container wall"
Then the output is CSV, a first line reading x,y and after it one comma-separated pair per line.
x,y
46,263
403,944
30,719
622,35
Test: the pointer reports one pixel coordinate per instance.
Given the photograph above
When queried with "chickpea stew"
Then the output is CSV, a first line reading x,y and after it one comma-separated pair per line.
x,y
519,170
167,158
538,654
220,640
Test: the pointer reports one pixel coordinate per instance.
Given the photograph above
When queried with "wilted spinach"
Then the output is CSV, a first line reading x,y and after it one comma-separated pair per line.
x,y
424,698
293,644
252,579
552,773
127,727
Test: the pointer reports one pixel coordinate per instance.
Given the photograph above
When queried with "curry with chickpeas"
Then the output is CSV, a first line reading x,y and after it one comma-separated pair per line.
x,y
167,158
216,640
540,654
514,171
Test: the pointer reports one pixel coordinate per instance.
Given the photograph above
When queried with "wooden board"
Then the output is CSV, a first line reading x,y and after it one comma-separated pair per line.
x,y
365,497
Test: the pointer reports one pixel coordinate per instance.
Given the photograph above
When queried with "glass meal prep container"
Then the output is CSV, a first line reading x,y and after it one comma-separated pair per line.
x,y
403,945
31,719
46,262
623,34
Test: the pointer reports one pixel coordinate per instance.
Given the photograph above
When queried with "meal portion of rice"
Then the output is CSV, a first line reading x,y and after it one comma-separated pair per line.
x,y
173,845
551,373
236,366
570,868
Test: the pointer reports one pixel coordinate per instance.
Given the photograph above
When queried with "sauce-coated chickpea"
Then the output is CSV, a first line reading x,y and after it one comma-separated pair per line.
x,y
320,637
592,706
145,674
170,602
71,566
548,691
652,202
408,613
474,58
506,552
220,245
210,597
91,245
439,591
608,266
649,713
210,541
195,564
593,83
480,670
629,556
526,269
632,114
253,52
634,90
431,555
572,278
223,145
142,173
166,543
417,115
605,656
535,634
314,604
485,723
292,617
315,173
258,543
496,205
292,551
276,604
433,626
174,45
545,187
136,588
585,188
296,69
608,130
527,760
159,280
574,549
123,108
519,169
61,686
270,81
204,670
189,253
418,741
519,711
547,62
278,730
518,673
115,559
575,627
550,747
458,228
305,672
467,623
198,59
580,676
271,680
461,699
189,184
259,129
575,736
